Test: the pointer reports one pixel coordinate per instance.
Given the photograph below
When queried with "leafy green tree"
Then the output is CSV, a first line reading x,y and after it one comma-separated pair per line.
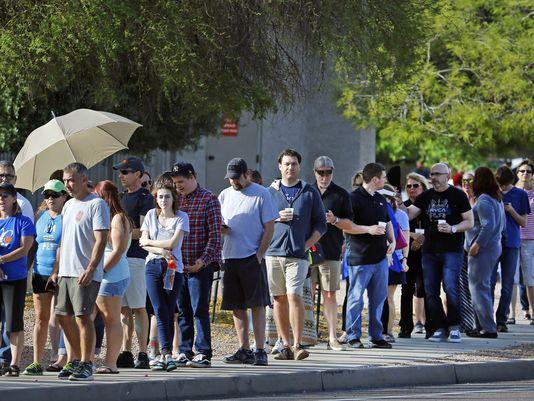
x,y
178,66
469,95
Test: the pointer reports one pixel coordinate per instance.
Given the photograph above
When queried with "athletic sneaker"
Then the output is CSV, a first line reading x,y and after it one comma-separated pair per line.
x,y
260,358
68,369
142,361
278,347
266,347
356,343
242,355
419,328
285,355
170,363
158,364
389,338
199,361
182,360
438,336
455,336
300,352
84,372
125,360
33,369
380,344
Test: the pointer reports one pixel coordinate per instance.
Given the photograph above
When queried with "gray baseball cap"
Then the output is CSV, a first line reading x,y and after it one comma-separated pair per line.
x,y
236,167
322,162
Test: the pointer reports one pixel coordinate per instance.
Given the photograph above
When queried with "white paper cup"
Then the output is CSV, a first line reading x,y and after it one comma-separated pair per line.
x,y
442,221
419,231
289,210
382,224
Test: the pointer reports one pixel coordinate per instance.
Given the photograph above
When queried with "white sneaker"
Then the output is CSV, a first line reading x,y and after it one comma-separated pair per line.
x,y
278,347
455,336
155,359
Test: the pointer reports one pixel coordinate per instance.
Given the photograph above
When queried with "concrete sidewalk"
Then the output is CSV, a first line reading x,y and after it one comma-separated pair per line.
x,y
410,362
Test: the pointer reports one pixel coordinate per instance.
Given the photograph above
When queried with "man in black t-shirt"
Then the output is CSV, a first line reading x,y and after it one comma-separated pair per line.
x,y
137,201
370,239
446,215
336,202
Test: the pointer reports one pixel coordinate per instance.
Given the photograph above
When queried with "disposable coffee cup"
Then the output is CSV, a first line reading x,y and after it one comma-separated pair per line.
x,y
289,210
442,221
382,224
419,231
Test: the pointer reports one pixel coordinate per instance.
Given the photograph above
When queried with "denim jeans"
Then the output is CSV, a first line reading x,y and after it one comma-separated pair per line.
x,y
374,279
194,305
437,268
163,301
5,345
509,263
480,276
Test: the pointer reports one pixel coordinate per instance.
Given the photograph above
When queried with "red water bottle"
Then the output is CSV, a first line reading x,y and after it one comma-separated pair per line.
x,y
168,280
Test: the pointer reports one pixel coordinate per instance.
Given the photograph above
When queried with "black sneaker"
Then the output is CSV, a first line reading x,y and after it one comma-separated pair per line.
x,y
241,356
68,369
142,361
199,361
502,328
286,354
404,334
355,343
125,360
182,360
260,358
84,372
380,344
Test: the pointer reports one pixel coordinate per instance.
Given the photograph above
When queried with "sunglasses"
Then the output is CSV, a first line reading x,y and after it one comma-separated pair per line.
x,y
414,186
7,176
145,184
468,181
53,195
125,172
435,174
323,173
525,171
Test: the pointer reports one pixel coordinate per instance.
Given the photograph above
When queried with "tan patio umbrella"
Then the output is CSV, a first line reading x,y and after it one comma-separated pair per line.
x,y
85,136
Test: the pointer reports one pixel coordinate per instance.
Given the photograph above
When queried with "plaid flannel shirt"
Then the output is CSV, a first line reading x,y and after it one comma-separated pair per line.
x,y
204,238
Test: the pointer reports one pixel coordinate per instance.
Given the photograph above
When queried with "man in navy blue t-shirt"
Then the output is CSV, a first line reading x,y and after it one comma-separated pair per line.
x,y
137,201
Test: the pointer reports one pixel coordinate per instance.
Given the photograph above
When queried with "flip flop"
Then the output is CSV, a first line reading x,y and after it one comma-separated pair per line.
x,y
104,370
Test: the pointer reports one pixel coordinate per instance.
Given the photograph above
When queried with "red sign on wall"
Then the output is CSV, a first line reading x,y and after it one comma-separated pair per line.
x,y
229,127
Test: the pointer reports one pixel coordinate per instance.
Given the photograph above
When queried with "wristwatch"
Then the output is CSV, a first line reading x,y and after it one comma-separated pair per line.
x,y
454,229
336,220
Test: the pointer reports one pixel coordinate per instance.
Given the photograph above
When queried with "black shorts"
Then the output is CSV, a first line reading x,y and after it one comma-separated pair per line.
x,y
13,297
39,284
244,284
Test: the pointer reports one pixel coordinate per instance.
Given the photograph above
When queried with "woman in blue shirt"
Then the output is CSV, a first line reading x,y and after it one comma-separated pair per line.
x,y
16,239
48,230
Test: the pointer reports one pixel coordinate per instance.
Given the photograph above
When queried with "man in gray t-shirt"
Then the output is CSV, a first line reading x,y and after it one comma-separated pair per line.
x,y
248,223
86,222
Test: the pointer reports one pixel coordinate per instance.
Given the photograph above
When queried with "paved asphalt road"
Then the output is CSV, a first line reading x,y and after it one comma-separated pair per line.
x,y
520,390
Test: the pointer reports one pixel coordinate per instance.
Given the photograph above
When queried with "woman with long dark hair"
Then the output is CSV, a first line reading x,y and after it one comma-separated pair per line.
x,y
16,238
483,244
116,274
162,233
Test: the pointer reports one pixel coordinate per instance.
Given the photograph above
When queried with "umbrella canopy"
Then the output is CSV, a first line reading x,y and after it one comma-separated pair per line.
x,y
85,136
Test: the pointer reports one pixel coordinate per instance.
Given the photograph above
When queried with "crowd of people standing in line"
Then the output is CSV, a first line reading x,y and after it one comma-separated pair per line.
x,y
143,260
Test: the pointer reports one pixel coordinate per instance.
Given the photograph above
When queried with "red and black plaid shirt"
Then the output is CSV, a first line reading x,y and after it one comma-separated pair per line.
x,y
204,238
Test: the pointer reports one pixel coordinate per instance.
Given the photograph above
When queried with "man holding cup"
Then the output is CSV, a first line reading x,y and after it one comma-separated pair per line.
x,y
301,224
446,215
370,239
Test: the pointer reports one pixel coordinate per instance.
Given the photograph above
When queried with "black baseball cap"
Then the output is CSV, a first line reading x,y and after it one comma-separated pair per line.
x,y
236,167
6,186
183,169
130,163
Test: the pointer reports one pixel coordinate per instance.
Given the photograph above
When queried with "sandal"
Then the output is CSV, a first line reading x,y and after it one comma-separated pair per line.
x,y
104,370
54,367
12,371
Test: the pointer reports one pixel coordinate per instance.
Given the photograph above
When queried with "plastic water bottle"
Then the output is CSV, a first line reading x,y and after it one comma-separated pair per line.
x,y
168,280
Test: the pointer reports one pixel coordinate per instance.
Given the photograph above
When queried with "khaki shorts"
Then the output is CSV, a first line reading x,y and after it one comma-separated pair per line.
x,y
286,275
328,274
73,299
135,295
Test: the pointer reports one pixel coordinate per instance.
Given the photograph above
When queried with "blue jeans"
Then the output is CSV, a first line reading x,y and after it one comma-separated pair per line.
x,y
5,345
480,272
437,268
509,263
374,279
194,305
163,301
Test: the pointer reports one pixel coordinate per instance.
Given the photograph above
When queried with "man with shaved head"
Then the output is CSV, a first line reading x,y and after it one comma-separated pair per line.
x,y
446,215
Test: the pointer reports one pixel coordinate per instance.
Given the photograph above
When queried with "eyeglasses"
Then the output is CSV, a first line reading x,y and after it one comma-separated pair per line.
x,y
414,186
468,181
145,184
434,174
519,171
7,176
53,195
323,173
125,172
